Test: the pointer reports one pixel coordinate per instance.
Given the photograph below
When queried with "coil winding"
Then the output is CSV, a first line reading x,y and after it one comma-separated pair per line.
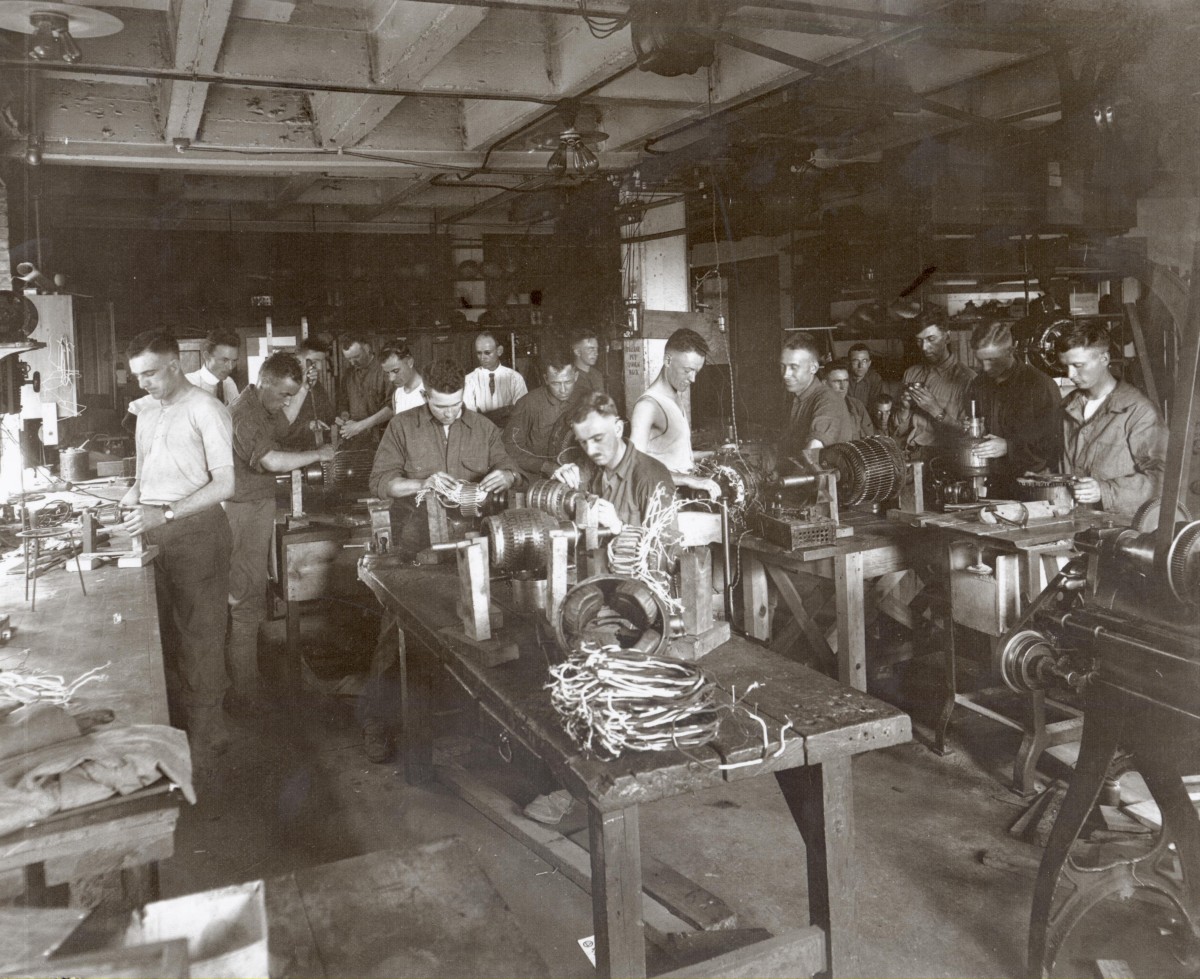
x,y
870,470
519,540
555,498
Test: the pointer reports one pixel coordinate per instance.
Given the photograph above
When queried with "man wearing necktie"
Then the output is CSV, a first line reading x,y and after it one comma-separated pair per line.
x,y
817,416
220,357
492,388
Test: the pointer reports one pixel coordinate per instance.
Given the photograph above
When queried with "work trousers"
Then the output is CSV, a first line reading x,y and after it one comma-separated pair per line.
x,y
191,584
251,524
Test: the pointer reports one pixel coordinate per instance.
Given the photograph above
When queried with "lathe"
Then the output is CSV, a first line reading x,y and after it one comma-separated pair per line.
x,y
1120,625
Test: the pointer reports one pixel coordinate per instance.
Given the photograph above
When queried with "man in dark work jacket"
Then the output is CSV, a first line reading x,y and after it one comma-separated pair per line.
x,y
1021,407
817,416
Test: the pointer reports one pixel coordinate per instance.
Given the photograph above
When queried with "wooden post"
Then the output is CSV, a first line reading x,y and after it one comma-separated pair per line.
x,y
756,610
475,596
556,573
297,494
695,586
616,857
439,523
851,628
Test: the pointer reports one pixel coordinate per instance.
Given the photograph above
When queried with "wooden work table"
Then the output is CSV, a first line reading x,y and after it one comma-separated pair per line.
x,y
876,549
829,724
69,634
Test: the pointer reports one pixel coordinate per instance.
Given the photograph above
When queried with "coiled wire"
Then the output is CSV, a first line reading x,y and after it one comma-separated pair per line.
x,y
612,701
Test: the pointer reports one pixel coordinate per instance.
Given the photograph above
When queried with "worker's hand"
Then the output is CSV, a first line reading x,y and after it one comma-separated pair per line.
x,y
325,453
497,481
992,447
605,515
568,474
139,519
1085,490
352,428
439,482
921,398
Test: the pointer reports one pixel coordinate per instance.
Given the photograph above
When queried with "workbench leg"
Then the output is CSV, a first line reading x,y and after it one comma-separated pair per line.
x,y
852,624
821,800
950,689
416,706
616,856
293,670
756,612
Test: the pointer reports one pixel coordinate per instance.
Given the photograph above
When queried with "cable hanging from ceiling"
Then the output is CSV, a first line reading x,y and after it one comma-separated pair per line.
x,y
602,26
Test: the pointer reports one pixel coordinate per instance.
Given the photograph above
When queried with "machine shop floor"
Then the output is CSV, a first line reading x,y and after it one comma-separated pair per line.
x,y
943,889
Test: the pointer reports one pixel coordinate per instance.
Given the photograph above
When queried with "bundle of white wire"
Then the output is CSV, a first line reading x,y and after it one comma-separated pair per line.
x,y
612,700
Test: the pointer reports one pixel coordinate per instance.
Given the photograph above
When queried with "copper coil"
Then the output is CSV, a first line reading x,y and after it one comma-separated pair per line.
x,y
520,539
585,604
471,499
624,549
556,498
870,470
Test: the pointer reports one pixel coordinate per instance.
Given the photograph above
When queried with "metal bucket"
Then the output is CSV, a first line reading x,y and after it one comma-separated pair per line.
x,y
74,465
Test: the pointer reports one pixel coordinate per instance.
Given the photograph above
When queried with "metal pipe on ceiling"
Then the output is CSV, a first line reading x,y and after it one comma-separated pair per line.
x,y
249,81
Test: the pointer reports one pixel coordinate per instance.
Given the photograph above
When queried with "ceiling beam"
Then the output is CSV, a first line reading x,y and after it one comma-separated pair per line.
x,y
107,72
408,43
199,32
289,191
855,89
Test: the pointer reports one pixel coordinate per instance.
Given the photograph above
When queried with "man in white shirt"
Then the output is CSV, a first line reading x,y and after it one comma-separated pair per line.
x,y
184,473
220,357
397,363
492,389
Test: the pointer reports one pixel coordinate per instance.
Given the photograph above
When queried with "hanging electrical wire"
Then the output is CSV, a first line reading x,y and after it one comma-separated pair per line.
x,y
603,26
648,552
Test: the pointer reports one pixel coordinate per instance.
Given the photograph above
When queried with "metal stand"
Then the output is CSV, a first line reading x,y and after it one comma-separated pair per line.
x,y
1165,744
35,536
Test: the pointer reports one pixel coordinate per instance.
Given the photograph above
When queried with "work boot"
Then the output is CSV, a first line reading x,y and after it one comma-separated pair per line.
x,y
377,742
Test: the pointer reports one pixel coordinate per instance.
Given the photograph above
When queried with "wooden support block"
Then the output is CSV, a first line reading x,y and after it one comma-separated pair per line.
x,y
755,598
297,493
138,557
912,493
556,573
491,652
439,523
794,953
691,648
475,589
695,588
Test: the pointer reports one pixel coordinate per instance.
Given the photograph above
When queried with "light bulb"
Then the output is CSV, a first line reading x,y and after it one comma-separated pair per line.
x,y
558,160
33,150
588,162
42,43
69,49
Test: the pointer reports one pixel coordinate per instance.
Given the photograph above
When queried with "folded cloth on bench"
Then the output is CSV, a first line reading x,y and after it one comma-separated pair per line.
x,y
86,769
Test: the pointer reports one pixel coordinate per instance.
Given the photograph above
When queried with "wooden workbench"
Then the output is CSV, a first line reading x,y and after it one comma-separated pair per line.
x,y
69,634
876,549
830,724
1040,549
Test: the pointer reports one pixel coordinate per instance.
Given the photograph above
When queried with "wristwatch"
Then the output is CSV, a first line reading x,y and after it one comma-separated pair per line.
x,y
168,513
